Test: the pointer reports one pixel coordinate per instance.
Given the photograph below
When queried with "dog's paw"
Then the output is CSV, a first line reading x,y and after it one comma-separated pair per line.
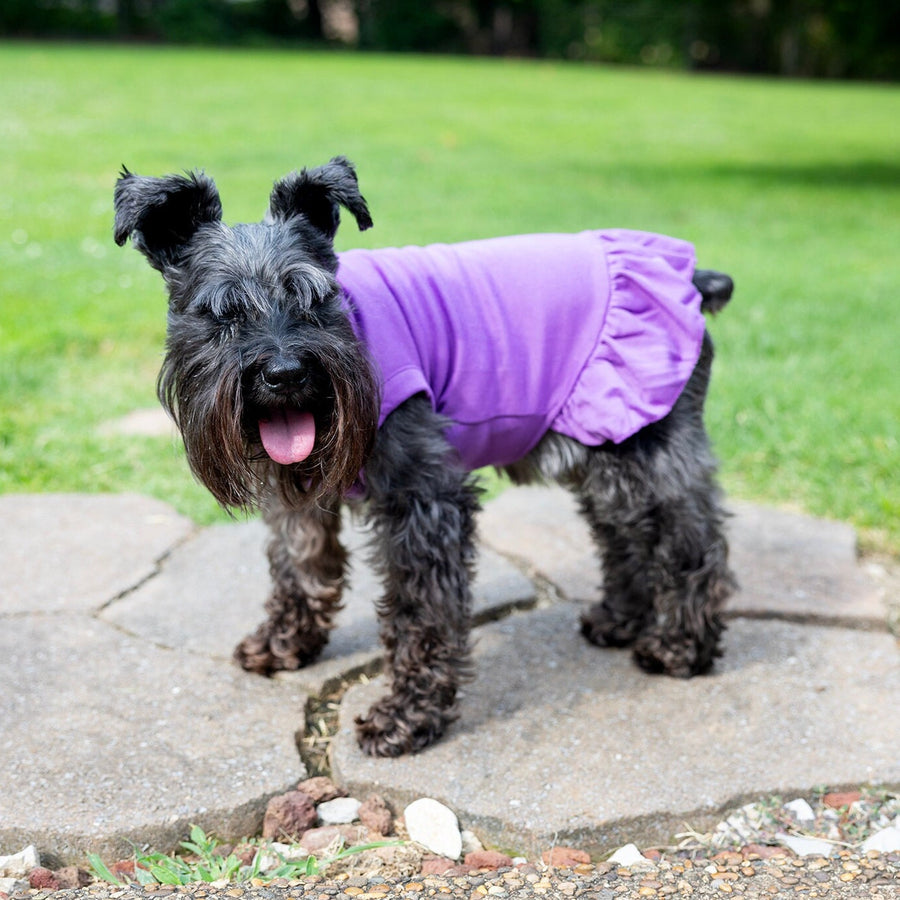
x,y
681,656
268,650
604,627
393,727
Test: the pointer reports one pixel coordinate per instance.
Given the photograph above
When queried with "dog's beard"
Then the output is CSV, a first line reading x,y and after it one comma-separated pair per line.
x,y
241,450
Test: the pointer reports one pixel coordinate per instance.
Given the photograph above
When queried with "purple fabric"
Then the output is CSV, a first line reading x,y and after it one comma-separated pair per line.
x,y
593,335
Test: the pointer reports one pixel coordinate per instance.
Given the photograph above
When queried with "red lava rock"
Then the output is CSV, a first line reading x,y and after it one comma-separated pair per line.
x,y
288,816
487,859
123,867
72,877
457,871
437,865
764,851
653,854
565,857
246,853
315,840
320,789
376,815
839,799
41,878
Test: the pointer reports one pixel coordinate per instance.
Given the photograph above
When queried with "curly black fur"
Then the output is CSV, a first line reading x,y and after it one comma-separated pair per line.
x,y
256,327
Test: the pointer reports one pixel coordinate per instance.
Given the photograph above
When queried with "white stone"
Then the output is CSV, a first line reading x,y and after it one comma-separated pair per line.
x,y
801,810
275,854
435,827
805,846
628,856
8,885
885,841
470,842
340,811
20,863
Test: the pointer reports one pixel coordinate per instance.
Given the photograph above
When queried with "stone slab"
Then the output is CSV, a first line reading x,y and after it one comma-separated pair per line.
x,y
561,741
107,739
213,586
75,551
801,567
789,565
541,527
122,717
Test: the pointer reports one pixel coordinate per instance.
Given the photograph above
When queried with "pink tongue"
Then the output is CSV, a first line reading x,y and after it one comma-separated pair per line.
x,y
289,436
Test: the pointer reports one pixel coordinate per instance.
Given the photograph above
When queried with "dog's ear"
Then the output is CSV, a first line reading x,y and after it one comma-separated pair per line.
x,y
162,215
317,194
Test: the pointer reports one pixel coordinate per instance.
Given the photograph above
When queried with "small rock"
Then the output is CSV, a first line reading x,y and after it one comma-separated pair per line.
x,y
805,846
885,841
317,840
276,853
11,885
321,789
801,811
20,863
72,877
741,827
340,811
436,865
288,816
628,855
565,857
376,815
40,878
123,867
434,826
487,859
763,851
470,842
838,799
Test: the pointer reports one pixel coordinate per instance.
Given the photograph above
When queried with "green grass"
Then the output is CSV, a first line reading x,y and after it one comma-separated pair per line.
x,y
204,858
792,187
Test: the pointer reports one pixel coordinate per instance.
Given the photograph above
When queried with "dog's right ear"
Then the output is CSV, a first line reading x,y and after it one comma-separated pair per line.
x,y
317,194
162,215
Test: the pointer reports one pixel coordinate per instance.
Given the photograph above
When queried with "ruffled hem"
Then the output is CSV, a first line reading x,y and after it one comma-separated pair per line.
x,y
649,343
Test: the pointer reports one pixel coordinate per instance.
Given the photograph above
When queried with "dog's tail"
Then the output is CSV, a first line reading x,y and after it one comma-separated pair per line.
x,y
715,288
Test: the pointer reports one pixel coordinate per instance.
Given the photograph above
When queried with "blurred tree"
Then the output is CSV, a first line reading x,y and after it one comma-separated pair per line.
x,y
811,38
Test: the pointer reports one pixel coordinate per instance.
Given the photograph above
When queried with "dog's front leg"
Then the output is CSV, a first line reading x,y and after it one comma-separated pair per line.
x,y
422,506
307,562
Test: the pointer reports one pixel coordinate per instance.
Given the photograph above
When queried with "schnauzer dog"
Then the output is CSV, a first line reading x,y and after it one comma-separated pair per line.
x,y
302,380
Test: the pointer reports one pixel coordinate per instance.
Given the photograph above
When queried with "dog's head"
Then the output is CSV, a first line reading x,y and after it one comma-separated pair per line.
x,y
263,374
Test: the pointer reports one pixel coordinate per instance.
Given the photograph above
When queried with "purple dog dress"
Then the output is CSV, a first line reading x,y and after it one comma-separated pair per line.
x,y
593,335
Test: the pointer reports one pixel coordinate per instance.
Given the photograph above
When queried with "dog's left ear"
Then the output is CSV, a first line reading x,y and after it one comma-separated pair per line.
x,y
162,215
317,194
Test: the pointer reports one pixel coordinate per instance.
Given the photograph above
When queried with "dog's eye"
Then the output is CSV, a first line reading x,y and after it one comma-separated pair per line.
x,y
225,306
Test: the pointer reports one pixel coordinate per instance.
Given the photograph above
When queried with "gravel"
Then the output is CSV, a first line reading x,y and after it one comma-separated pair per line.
x,y
746,855
876,877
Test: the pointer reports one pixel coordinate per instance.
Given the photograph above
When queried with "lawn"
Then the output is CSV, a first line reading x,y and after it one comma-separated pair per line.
x,y
792,187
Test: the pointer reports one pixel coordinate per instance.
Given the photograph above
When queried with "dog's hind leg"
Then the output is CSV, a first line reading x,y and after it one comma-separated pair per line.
x,y
307,563
683,637
653,506
665,577
626,555
422,506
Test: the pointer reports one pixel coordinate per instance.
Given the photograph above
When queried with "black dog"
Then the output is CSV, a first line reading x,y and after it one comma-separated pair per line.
x,y
278,372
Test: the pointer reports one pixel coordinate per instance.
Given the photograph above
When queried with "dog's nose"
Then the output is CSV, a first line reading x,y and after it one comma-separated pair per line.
x,y
281,374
